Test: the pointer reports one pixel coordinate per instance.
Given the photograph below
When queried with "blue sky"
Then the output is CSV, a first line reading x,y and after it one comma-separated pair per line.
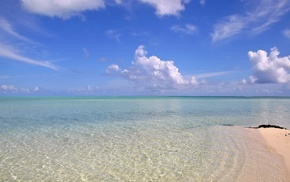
x,y
145,47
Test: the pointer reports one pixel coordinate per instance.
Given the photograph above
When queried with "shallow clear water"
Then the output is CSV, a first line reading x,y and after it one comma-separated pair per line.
x,y
135,138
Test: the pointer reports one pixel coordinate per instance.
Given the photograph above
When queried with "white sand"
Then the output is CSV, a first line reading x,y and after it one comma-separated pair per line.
x,y
278,142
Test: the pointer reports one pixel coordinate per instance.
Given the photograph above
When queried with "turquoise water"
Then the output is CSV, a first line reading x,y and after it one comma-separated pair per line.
x,y
135,138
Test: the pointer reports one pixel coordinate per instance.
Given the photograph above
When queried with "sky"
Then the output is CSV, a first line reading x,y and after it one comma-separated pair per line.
x,y
145,47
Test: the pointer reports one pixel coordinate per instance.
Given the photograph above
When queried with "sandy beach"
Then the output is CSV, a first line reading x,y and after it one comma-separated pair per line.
x,y
278,140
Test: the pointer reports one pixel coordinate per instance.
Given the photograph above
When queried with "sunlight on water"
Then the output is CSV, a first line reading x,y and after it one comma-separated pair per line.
x,y
135,139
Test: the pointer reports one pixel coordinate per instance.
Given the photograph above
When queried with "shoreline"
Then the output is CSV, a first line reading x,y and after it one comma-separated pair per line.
x,y
278,141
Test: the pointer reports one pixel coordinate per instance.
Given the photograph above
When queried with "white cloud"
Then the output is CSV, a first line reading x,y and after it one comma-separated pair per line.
x,y
244,81
286,33
156,68
258,17
61,8
8,28
187,29
266,13
67,8
13,89
113,68
9,50
8,88
152,72
9,53
36,89
269,68
166,7
228,27
24,90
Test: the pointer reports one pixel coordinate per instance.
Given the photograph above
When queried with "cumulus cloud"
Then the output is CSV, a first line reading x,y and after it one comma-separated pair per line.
x,y
113,68
61,8
152,72
257,18
187,29
165,7
269,68
9,53
156,68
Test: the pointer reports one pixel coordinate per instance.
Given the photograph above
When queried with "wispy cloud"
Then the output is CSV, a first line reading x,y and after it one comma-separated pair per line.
x,y
114,34
228,27
4,77
103,59
8,50
267,13
9,53
259,17
8,28
187,29
213,74
86,53
286,33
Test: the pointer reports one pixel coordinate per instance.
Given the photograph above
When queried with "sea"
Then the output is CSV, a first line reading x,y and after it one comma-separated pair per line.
x,y
139,138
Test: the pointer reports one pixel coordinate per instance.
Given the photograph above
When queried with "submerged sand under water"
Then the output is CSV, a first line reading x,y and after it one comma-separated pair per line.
x,y
139,139
219,153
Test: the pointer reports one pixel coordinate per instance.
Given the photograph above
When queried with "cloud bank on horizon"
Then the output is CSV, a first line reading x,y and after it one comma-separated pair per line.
x,y
200,52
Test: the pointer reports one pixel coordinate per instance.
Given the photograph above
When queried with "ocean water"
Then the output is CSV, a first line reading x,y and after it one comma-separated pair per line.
x,y
138,138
